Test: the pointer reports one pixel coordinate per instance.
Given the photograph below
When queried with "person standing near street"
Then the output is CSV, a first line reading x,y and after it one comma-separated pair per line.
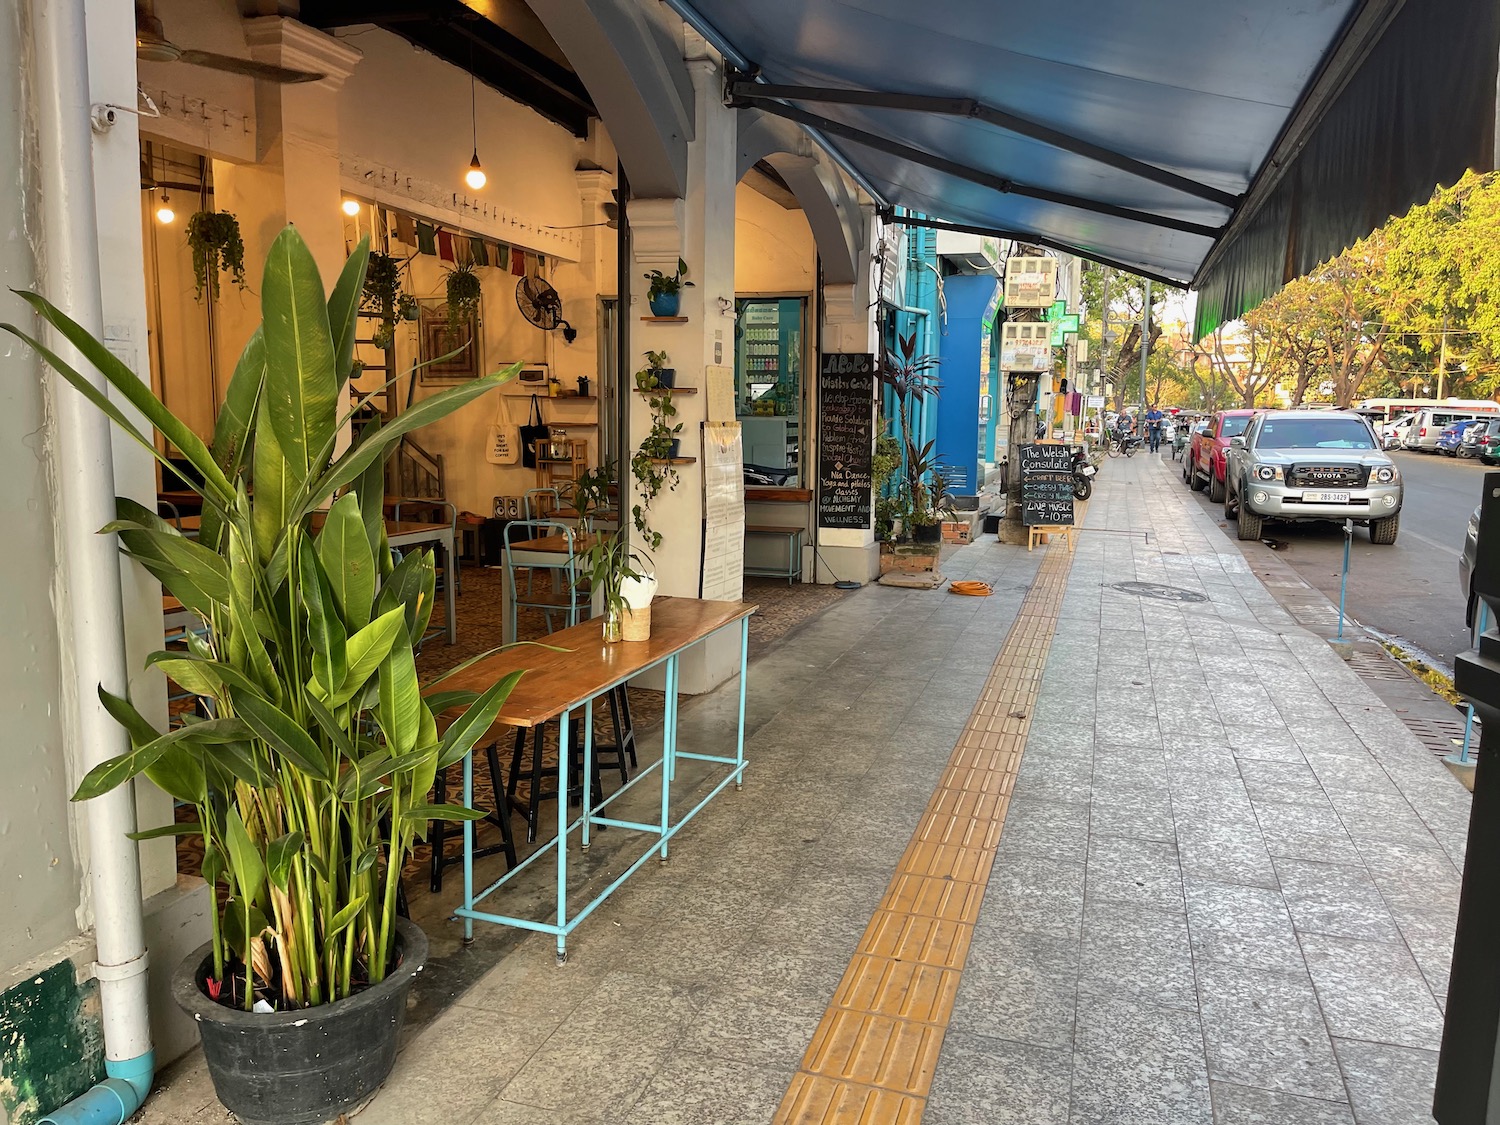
x,y
1154,419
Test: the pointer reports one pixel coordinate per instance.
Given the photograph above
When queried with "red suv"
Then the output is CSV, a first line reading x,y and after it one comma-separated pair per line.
x,y
1210,449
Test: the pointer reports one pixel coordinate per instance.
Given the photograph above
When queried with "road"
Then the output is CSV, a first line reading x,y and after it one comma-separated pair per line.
x,y
1410,590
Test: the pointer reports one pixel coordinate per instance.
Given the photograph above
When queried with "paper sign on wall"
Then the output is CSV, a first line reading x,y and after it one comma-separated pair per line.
x,y
720,382
723,512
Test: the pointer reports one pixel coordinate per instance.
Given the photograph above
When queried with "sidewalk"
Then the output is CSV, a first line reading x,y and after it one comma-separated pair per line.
x,y
1223,891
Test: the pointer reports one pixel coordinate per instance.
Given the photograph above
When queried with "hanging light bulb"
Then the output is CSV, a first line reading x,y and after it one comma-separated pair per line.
x,y
475,176
351,207
164,213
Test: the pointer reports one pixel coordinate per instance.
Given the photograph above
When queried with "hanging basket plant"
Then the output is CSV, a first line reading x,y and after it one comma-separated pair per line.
x,y
463,294
382,297
214,237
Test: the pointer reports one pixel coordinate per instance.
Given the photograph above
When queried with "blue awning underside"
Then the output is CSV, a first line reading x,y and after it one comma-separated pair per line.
x,y
1210,91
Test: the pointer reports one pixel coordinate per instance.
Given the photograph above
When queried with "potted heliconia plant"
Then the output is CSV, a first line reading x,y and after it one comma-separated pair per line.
x,y
311,777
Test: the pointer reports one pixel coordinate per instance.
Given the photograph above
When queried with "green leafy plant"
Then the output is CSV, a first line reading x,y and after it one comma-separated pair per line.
x,y
664,283
214,237
651,463
463,293
383,296
910,378
311,778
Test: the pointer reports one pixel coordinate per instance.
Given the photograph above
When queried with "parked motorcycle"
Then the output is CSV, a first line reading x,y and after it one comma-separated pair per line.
x,y
1083,472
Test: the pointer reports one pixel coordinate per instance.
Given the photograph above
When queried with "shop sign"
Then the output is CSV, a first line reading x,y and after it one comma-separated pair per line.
x,y
846,439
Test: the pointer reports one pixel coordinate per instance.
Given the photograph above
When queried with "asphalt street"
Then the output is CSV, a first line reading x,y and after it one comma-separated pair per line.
x,y
1408,591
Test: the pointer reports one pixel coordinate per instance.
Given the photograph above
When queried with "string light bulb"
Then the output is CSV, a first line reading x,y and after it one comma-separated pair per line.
x,y
351,207
475,176
164,213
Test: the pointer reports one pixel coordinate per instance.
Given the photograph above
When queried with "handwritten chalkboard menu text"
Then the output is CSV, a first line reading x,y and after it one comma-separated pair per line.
x,y
1046,486
846,403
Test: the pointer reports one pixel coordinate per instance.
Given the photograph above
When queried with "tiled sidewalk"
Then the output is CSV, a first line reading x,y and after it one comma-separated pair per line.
x,y
1223,894
1227,885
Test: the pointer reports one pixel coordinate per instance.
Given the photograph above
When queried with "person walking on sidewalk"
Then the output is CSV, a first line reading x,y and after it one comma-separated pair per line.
x,y
1154,419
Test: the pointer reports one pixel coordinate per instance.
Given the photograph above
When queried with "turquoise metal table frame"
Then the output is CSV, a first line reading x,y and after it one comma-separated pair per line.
x,y
588,818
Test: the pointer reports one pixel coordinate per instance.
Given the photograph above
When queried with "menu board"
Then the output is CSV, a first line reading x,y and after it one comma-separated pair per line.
x,y
723,574
846,439
1046,486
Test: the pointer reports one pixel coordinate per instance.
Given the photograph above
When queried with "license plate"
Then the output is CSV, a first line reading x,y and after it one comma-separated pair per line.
x,y
1326,497
1088,470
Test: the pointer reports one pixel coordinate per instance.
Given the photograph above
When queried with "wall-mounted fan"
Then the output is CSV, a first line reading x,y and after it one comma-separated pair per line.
x,y
152,45
540,304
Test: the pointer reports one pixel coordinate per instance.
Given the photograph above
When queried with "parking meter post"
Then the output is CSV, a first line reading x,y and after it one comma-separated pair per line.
x,y
1344,579
1468,1079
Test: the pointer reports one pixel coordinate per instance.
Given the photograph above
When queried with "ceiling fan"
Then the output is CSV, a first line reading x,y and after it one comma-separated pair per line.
x,y
152,45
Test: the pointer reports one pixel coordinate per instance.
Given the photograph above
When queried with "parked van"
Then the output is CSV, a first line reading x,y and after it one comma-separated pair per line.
x,y
1430,424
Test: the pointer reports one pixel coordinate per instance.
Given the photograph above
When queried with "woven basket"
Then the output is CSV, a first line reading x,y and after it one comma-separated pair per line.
x,y
635,624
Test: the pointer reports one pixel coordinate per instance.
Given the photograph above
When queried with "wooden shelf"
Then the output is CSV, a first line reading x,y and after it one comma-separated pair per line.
x,y
664,319
674,460
669,390
571,398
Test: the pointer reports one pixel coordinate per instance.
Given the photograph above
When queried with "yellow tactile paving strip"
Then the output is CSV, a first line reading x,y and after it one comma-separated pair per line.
x,y
872,1058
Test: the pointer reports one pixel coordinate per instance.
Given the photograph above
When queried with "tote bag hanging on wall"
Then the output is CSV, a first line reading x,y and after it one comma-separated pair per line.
x,y
533,434
504,446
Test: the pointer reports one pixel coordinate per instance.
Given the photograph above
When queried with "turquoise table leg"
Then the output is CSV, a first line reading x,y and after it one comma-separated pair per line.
x,y
562,836
588,771
469,846
668,751
739,745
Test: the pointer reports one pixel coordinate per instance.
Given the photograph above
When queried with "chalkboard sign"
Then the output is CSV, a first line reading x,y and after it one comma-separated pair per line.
x,y
846,404
1046,486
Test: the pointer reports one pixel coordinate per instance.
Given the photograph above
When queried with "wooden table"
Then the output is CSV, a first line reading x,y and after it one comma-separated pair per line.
x,y
557,685
398,534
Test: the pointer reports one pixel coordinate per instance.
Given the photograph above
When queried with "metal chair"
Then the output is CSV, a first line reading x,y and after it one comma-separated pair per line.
x,y
536,506
561,593
452,513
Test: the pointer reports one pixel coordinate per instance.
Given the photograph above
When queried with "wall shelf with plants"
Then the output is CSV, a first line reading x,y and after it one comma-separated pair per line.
x,y
654,463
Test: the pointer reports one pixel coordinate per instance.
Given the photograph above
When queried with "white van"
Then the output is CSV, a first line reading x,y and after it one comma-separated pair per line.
x,y
1430,424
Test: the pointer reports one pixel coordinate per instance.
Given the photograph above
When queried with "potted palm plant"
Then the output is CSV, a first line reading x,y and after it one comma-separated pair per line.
x,y
311,778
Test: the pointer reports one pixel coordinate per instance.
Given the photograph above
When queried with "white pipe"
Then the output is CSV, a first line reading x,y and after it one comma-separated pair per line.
x,y
89,597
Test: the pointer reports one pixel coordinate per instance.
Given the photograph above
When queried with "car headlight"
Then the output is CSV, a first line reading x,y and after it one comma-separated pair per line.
x,y
1385,474
1268,472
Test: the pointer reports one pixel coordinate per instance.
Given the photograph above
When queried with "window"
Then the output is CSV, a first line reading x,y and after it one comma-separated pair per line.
x,y
1315,433
768,359
1234,425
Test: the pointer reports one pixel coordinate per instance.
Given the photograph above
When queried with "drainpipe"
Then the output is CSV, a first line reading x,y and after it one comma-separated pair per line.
x,y
68,255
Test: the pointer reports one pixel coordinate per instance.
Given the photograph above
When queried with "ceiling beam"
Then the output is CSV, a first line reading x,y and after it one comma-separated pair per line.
x,y
741,88
1024,236
1000,184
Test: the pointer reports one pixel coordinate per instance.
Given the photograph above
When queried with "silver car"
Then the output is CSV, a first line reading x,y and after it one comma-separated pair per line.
x,y
1302,465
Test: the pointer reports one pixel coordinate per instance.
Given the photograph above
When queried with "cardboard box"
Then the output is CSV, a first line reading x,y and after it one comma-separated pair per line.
x,y
957,531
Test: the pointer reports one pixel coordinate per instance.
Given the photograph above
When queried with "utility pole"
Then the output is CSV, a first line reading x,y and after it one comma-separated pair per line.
x,y
1145,345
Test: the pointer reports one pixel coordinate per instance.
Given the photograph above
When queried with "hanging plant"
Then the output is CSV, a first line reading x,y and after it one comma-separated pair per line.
x,y
382,297
217,248
463,294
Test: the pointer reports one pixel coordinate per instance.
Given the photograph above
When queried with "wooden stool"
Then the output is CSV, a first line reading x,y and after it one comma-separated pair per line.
x,y
499,817
1040,533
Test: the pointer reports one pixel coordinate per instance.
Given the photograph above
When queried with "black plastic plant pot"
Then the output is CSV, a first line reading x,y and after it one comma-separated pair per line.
x,y
304,1067
666,376
675,449
926,533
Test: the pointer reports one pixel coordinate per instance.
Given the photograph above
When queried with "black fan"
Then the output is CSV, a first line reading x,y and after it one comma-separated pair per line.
x,y
540,304
152,45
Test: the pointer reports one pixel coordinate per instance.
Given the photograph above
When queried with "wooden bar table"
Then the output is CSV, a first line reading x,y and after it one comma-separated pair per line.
x,y
557,685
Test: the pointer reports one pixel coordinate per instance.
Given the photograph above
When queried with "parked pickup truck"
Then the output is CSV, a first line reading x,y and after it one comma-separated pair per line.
x,y
1210,449
1302,465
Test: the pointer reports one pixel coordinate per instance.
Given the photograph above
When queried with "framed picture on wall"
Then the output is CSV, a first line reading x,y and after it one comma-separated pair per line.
x,y
460,343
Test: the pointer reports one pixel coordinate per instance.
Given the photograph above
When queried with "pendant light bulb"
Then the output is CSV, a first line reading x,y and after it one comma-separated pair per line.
x,y
475,176
351,207
164,213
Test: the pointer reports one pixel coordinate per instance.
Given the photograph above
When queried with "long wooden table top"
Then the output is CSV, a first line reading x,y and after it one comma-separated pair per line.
x,y
560,681
555,544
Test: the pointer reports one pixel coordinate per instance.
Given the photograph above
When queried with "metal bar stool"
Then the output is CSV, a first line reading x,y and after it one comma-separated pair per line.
x,y
618,756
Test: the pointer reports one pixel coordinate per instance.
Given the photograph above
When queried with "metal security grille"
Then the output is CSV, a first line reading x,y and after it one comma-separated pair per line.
x,y
1325,476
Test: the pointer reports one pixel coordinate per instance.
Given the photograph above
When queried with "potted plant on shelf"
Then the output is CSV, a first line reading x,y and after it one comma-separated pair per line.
x,y
656,373
311,780
652,463
665,293
214,237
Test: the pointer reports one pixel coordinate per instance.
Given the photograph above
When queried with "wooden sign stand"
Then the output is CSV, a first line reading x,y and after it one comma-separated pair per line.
x,y
1042,532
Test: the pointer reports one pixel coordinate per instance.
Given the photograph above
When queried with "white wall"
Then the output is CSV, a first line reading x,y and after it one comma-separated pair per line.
x,y
773,247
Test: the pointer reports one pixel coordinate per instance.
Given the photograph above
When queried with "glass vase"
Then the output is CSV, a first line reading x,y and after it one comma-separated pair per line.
x,y
611,625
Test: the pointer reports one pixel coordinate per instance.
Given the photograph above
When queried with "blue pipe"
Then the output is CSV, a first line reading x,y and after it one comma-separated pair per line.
x,y
113,1101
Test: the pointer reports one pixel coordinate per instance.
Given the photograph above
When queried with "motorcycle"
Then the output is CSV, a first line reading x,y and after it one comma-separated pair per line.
x,y
1083,472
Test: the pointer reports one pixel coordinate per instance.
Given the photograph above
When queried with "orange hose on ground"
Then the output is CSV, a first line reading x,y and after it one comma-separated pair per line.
x,y
973,589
